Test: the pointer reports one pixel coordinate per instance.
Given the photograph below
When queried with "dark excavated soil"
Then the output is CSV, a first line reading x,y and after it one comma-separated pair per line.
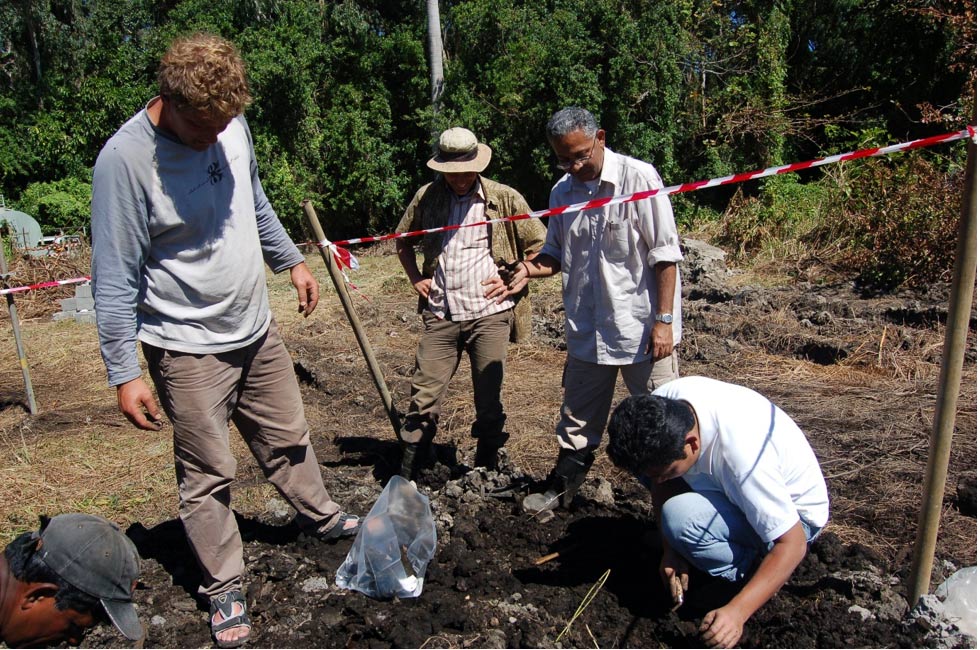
x,y
484,589
857,373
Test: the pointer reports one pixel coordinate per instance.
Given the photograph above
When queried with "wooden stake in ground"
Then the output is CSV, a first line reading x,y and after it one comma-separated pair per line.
x,y
950,376
15,322
338,282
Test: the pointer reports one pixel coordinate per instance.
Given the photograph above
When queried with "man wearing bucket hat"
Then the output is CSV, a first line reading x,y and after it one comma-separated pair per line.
x,y
56,582
465,305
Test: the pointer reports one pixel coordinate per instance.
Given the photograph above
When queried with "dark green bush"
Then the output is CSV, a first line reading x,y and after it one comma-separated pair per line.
x,y
62,205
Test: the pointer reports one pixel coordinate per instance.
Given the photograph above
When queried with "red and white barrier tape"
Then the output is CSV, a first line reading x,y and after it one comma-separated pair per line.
x,y
43,285
341,255
969,132
346,260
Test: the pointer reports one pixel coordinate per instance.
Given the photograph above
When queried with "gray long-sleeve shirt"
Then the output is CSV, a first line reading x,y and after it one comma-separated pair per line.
x,y
178,243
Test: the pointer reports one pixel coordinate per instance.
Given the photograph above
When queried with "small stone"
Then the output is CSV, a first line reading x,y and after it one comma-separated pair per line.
x,y
864,613
495,639
158,620
511,620
185,605
318,583
604,493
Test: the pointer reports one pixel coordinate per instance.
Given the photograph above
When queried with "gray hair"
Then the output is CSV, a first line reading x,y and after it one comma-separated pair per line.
x,y
570,119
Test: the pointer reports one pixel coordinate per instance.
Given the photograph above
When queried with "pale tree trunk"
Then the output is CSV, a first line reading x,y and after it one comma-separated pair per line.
x,y
435,53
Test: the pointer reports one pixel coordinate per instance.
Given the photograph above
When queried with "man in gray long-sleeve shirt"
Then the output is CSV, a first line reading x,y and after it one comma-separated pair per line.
x,y
181,230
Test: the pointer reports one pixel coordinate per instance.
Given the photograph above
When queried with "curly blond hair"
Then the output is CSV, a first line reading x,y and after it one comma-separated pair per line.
x,y
205,73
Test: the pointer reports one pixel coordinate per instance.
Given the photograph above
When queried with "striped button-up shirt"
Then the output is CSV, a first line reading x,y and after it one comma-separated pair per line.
x,y
465,262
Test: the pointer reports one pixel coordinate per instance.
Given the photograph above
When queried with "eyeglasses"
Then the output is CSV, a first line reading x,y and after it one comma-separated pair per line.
x,y
567,165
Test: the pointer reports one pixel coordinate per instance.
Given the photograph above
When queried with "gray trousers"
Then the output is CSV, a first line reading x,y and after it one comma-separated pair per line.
x,y
589,389
254,387
436,360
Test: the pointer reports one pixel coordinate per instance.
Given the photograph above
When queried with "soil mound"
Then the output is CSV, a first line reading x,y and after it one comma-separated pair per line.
x,y
490,585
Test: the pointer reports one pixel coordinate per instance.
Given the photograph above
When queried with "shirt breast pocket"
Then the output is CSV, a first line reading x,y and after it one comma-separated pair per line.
x,y
616,241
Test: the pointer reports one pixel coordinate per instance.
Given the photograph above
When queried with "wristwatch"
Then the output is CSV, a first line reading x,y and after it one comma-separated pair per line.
x,y
664,318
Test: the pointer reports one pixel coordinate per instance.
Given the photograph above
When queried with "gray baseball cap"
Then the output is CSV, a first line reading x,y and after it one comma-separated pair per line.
x,y
93,555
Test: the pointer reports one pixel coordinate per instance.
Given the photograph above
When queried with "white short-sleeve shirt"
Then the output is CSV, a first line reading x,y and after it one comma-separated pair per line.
x,y
755,454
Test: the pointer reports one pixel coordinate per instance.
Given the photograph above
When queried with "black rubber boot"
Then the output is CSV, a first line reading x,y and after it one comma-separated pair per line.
x,y
416,455
566,478
571,469
415,458
487,448
408,468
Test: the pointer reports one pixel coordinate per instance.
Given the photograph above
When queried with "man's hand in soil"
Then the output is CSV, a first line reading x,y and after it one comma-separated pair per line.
x,y
306,287
133,397
674,572
722,628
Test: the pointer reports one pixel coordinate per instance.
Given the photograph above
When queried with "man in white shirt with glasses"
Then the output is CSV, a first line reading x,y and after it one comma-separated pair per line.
x,y
620,287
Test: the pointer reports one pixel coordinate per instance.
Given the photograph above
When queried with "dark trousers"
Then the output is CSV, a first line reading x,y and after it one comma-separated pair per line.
x,y
439,352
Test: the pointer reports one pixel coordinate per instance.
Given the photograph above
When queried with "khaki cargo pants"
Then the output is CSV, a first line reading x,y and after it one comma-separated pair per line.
x,y
589,389
254,387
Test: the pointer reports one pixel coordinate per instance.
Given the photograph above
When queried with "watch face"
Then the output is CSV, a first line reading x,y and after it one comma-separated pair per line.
x,y
665,318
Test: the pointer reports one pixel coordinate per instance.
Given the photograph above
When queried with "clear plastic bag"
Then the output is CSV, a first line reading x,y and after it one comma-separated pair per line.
x,y
959,596
394,546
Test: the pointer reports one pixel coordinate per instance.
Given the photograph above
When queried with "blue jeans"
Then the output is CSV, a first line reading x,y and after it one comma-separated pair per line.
x,y
713,535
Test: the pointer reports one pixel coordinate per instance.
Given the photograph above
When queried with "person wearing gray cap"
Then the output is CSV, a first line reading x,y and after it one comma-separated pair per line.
x,y
56,582
465,305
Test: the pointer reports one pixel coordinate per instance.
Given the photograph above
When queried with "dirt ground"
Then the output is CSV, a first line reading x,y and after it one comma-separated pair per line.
x,y
858,373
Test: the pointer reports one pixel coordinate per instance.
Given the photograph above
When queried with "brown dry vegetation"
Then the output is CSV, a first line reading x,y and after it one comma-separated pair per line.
x,y
868,414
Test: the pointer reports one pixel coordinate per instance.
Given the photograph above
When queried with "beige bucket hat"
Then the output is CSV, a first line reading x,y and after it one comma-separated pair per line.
x,y
459,152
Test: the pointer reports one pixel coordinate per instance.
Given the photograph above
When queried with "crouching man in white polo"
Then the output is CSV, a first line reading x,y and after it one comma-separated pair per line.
x,y
737,489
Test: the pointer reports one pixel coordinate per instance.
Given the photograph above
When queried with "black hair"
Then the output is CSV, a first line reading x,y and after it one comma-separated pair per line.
x,y
26,566
647,431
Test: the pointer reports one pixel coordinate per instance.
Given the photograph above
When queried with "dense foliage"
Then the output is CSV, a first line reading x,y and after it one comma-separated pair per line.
x,y
342,116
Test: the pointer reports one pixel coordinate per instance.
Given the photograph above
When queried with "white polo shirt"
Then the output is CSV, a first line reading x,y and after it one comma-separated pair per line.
x,y
755,454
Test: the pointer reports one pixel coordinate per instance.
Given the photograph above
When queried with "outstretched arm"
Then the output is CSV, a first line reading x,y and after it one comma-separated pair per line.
x,y
539,266
722,628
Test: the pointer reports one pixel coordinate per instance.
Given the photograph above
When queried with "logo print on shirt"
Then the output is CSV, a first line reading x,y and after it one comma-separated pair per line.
x,y
215,173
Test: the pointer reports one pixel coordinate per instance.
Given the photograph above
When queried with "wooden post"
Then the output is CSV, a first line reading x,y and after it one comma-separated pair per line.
x,y
338,282
15,322
957,326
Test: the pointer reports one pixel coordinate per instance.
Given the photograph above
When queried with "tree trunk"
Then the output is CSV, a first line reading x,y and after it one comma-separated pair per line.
x,y
35,51
435,53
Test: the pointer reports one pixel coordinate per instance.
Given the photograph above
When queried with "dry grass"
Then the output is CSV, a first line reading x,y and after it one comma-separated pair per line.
x,y
868,417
